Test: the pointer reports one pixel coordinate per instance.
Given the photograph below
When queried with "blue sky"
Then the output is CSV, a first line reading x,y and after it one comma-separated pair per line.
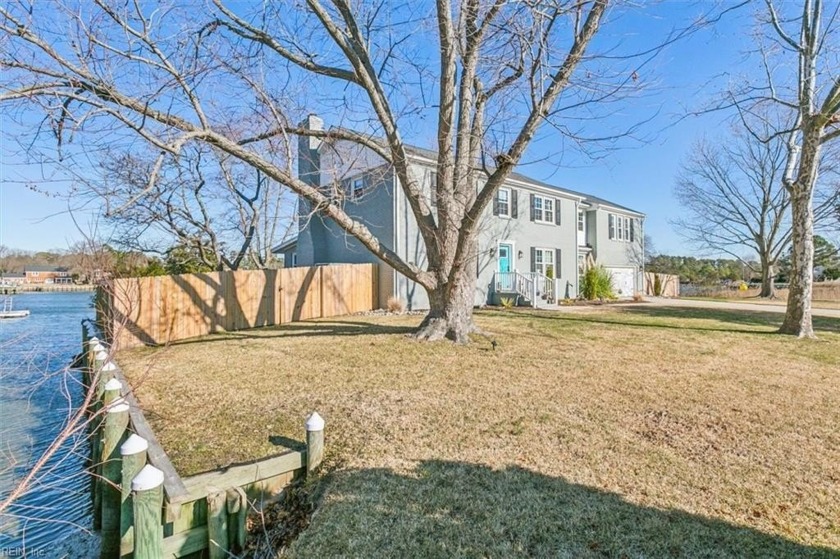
x,y
685,77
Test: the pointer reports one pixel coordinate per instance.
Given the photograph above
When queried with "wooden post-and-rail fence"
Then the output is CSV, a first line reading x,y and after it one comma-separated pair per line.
x,y
163,309
142,507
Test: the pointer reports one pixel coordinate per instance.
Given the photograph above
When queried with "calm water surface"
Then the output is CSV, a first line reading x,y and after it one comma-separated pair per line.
x,y
37,391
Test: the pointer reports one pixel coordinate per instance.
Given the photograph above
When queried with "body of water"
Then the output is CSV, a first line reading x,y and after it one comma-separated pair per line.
x,y
37,394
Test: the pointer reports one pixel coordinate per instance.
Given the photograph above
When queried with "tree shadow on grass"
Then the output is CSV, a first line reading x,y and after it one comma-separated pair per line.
x,y
680,318
740,317
454,509
303,329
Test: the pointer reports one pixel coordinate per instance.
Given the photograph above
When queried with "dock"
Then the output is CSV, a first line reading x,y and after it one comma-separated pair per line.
x,y
9,312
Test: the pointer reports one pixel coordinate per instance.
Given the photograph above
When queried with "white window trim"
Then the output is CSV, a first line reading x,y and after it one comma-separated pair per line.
x,y
541,218
553,264
621,230
509,202
353,183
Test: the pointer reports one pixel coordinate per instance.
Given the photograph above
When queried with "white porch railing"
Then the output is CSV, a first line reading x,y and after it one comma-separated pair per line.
x,y
533,286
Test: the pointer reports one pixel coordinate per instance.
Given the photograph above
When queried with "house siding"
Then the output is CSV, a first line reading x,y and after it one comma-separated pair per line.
x,y
612,253
321,240
384,209
525,234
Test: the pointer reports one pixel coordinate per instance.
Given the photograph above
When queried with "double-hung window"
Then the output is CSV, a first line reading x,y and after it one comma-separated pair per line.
x,y
503,202
622,228
544,261
357,187
543,209
581,222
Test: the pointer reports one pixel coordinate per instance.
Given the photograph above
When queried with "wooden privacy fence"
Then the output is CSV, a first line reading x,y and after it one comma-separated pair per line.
x,y
162,309
668,285
141,506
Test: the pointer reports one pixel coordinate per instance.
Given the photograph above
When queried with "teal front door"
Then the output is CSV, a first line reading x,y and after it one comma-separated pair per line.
x,y
504,258
505,279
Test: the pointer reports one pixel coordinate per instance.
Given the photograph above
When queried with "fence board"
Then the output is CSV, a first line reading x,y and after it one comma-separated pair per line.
x,y
669,284
164,309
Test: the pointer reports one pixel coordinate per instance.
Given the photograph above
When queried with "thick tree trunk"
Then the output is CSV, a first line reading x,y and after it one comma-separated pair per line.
x,y
798,314
768,288
450,310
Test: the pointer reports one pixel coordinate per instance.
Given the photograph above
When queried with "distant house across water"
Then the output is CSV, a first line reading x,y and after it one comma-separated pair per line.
x,y
47,274
12,278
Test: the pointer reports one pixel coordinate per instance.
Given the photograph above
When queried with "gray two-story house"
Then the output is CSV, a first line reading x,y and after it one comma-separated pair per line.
x,y
534,241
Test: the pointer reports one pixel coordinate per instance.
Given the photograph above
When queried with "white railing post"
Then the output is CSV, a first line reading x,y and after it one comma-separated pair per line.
x,y
534,290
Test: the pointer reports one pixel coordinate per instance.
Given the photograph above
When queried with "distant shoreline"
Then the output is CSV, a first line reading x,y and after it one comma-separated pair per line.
x,y
44,288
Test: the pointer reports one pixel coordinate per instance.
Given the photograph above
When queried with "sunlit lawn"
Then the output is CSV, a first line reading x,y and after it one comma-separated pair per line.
x,y
642,432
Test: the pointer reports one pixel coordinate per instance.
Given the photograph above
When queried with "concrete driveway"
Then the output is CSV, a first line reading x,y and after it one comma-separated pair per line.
x,y
731,305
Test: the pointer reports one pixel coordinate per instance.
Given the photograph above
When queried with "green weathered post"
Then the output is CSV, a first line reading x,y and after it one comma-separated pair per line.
x,y
110,392
133,452
314,441
147,497
106,374
116,423
237,508
217,525
100,358
90,359
85,347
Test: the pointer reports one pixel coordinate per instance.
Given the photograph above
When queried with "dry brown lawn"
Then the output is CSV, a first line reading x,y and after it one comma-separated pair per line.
x,y
758,301
635,432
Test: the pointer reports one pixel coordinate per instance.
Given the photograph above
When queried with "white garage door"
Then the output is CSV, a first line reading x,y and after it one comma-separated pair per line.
x,y
624,281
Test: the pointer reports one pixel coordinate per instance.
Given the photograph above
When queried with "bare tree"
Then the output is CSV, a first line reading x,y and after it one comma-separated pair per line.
x,y
798,35
498,72
735,199
226,213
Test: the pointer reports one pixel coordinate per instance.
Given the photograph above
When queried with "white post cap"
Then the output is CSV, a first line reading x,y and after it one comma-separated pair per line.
x,y
113,384
314,422
98,346
134,444
148,478
93,341
109,366
119,405
101,355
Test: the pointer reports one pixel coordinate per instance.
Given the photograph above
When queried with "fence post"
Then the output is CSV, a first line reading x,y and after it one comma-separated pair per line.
x,y
217,525
147,497
100,360
133,453
314,441
106,374
111,391
237,508
100,357
85,346
116,423
90,359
